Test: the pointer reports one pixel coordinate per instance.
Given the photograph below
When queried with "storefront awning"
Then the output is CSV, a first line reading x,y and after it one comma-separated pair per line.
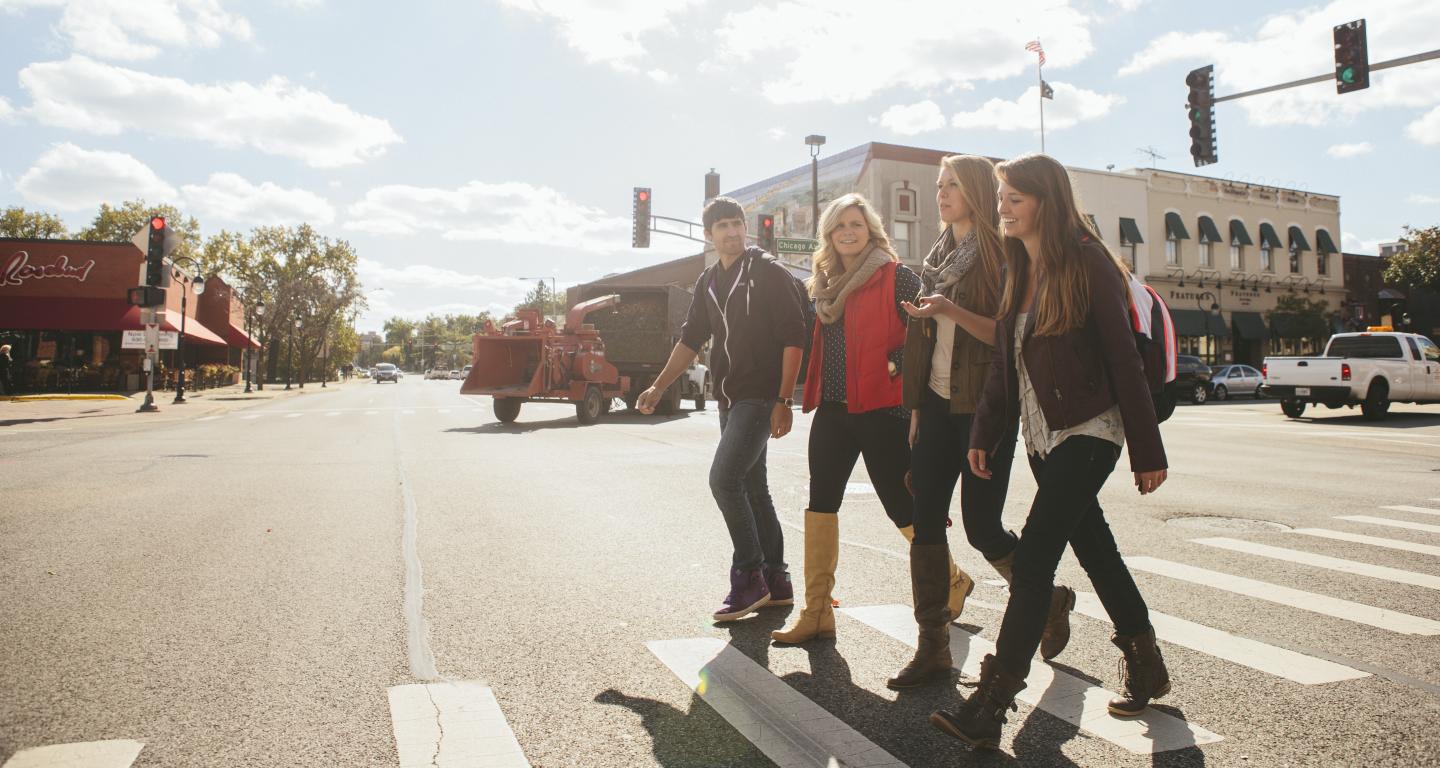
x,y
237,337
1174,227
43,313
1129,232
1189,322
1217,326
1297,240
1249,325
1238,235
1208,232
1268,237
1324,243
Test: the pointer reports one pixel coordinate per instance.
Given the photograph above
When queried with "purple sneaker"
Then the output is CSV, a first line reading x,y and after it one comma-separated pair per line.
x,y
781,590
748,593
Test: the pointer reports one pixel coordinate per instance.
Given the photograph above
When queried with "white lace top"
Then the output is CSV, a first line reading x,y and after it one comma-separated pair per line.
x,y
1040,440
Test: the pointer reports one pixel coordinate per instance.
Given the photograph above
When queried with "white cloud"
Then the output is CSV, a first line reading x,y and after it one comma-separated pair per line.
x,y
1350,150
908,120
608,32
1127,5
7,112
777,133
426,276
229,197
660,76
136,30
1353,244
1298,44
277,117
508,212
822,51
1070,106
1426,130
1424,199
70,178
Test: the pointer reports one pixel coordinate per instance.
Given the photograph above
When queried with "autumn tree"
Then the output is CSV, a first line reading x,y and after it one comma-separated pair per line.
x,y
18,222
1418,264
118,225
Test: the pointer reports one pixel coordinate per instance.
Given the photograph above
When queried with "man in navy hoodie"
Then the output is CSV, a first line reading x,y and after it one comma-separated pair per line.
x,y
750,307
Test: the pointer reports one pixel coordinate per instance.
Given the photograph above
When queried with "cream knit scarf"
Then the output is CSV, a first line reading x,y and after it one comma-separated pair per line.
x,y
831,289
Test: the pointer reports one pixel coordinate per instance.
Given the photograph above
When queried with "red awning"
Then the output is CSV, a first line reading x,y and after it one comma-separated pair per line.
x,y
239,338
39,313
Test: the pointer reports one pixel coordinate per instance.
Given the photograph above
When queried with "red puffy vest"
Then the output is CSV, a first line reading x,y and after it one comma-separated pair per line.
x,y
873,329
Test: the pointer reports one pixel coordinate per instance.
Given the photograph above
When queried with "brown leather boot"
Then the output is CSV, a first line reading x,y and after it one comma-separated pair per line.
x,y
1057,622
981,718
1142,673
822,554
930,586
961,585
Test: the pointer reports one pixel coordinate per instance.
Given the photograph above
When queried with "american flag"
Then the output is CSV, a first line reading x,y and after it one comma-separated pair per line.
x,y
1034,47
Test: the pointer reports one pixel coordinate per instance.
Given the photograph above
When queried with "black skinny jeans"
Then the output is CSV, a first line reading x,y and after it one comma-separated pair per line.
x,y
1066,510
938,461
838,438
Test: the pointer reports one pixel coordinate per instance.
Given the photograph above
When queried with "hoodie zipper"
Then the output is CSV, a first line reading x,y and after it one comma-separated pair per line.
x,y
725,320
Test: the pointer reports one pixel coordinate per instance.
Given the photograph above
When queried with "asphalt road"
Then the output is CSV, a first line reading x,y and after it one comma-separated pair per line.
x,y
231,588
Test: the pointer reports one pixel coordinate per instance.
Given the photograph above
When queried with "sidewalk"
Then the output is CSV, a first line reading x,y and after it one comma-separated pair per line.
x,y
53,407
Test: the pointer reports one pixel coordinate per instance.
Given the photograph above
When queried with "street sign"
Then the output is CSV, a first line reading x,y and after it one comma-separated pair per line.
x,y
805,246
136,340
141,240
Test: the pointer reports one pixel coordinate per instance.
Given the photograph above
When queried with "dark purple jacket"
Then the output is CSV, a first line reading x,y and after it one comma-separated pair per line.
x,y
1077,375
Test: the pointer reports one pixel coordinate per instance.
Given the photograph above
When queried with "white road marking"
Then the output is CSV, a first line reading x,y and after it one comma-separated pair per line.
x,y
1323,561
293,415
1376,541
1416,510
252,416
452,724
1360,613
333,413
12,431
371,413
1385,521
444,410
408,412
210,418
789,728
115,753
1063,695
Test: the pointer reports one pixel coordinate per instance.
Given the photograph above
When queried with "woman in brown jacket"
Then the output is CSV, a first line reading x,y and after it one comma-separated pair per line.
x,y
1065,366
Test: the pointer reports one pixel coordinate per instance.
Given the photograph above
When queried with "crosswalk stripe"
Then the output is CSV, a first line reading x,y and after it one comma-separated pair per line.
x,y
408,412
252,416
293,415
1360,613
333,413
1385,521
1323,561
371,413
114,753
1416,510
452,724
789,728
1061,694
444,410
210,418
1375,541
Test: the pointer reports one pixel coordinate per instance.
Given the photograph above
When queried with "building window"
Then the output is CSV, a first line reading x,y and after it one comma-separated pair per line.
x,y
1322,263
1128,249
900,236
905,202
1294,261
1172,251
1267,261
1237,256
1205,258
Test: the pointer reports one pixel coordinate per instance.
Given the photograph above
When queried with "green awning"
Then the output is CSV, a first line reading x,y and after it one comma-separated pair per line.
x,y
1268,237
1238,233
1129,233
1189,322
1249,325
1208,232
1217,326
1174,227
1324,243
1297,240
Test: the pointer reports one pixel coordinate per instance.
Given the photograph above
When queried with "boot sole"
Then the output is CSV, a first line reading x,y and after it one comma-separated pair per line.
x,y
826,635
734,615
1127,713
772,603
945,726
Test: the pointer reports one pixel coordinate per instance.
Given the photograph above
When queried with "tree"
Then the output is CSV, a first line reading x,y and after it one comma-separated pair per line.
x,y
118,225
541,298
1297,316
18,222
1418,265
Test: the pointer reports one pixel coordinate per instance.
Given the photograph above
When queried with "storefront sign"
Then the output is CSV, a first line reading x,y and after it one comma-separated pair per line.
x,y
19,269
136,340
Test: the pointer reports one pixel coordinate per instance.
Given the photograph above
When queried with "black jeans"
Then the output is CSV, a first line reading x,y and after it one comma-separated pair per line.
x,y
939,461
1066,510
838,438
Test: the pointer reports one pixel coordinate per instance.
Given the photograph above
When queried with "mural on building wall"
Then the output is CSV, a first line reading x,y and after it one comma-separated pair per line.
x,y
788,195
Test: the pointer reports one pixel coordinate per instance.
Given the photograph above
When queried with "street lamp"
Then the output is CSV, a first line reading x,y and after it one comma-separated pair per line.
x,y
290,353
250,357
1214,311
325,371
552,292
198,285
814,142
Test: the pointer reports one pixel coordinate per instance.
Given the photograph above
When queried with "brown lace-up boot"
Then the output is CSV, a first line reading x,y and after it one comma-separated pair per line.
x,y
982,716
1057,622
1142,673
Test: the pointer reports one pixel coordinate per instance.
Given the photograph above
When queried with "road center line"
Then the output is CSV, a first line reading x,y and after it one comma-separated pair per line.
x,y
452,723
422,658
1324,561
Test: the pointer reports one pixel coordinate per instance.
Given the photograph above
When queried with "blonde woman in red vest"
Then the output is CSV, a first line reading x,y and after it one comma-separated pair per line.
x,y
853,385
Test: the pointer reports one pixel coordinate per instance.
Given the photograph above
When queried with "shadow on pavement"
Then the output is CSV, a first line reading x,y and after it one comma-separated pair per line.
x,y
1345,417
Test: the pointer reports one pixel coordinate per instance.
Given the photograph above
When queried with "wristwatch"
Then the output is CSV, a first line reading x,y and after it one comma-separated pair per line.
x,y
788,402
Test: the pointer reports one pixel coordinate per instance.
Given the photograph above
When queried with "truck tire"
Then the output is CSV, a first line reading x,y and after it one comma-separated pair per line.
x,y
605,403
507,408
1259,392
1377,401
589,408
1292,408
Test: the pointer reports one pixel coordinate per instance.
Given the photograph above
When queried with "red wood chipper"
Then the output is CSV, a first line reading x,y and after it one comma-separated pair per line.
x,y
529,359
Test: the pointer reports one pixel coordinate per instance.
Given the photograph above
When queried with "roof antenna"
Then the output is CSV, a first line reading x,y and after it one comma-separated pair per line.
x,y
1153,153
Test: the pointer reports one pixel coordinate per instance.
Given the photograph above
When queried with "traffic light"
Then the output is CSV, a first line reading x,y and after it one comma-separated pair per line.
x,y
1201,109
146,296
1352,57
640,228
155,252
766,232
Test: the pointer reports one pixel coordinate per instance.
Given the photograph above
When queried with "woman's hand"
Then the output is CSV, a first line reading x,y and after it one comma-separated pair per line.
x,y
929,306
1147,482
979,463
914,427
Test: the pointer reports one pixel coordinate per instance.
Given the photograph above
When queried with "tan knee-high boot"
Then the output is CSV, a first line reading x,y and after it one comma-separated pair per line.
x,y
822,554
961,585
1057,622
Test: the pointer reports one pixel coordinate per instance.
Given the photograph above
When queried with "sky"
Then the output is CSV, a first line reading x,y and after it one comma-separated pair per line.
x,y
461,147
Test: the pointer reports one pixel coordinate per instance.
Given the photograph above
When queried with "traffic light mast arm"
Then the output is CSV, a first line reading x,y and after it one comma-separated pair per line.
x,y
1400,62
688,234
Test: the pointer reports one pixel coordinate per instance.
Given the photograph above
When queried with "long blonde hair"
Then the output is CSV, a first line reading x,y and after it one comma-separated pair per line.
x,y
977,190
825,257
1062,302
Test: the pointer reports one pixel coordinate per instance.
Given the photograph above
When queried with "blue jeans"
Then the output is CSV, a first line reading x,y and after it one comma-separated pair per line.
x,y
738,482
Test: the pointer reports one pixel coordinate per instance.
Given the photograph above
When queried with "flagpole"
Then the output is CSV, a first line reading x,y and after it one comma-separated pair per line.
x,y
1040,75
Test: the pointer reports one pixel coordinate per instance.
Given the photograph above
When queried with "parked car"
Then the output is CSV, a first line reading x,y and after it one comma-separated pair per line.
x,y
1227,381
387,372
1371,369
1192,379
455,376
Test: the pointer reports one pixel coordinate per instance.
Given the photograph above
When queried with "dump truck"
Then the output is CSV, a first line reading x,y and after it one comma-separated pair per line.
x,y
639,333
529,359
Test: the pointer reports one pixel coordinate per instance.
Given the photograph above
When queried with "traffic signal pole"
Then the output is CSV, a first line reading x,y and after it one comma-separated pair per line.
x,y
1400,62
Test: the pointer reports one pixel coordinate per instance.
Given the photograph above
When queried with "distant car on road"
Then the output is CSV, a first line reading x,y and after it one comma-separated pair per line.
x,y
465,373
387,372
456,375
437,373
1192,379
1227,381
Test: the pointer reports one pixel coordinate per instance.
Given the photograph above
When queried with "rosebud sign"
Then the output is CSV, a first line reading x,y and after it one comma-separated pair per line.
x,y
19,269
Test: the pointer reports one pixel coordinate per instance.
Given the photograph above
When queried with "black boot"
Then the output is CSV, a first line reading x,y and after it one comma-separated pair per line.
x,y
981,717
1142,673
930,587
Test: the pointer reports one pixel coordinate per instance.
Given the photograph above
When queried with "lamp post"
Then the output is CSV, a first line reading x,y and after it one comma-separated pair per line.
x,y
250,357
552,292
290,352
325,371
1214,311
196,284
815,142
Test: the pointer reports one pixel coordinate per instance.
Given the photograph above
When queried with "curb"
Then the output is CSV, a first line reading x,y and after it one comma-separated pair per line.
x,y
37,398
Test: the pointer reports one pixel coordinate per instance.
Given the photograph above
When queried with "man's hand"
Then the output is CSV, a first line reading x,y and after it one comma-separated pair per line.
x,y
979,463
780,420
648,400
1147,482
928,306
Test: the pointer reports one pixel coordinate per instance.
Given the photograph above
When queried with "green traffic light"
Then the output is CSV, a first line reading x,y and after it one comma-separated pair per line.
x,y
1348,74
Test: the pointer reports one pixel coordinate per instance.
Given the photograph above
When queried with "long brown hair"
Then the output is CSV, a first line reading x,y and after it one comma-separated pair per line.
x,y
1062,302
977,190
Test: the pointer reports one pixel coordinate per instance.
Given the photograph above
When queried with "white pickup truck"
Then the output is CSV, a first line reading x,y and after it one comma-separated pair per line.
x,y
1371,370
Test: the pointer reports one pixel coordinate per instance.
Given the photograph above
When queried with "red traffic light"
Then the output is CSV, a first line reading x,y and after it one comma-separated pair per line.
x,y
643,195
158,222
767,221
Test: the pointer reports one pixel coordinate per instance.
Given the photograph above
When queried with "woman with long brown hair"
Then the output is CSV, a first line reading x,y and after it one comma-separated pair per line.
x,y
1066,367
